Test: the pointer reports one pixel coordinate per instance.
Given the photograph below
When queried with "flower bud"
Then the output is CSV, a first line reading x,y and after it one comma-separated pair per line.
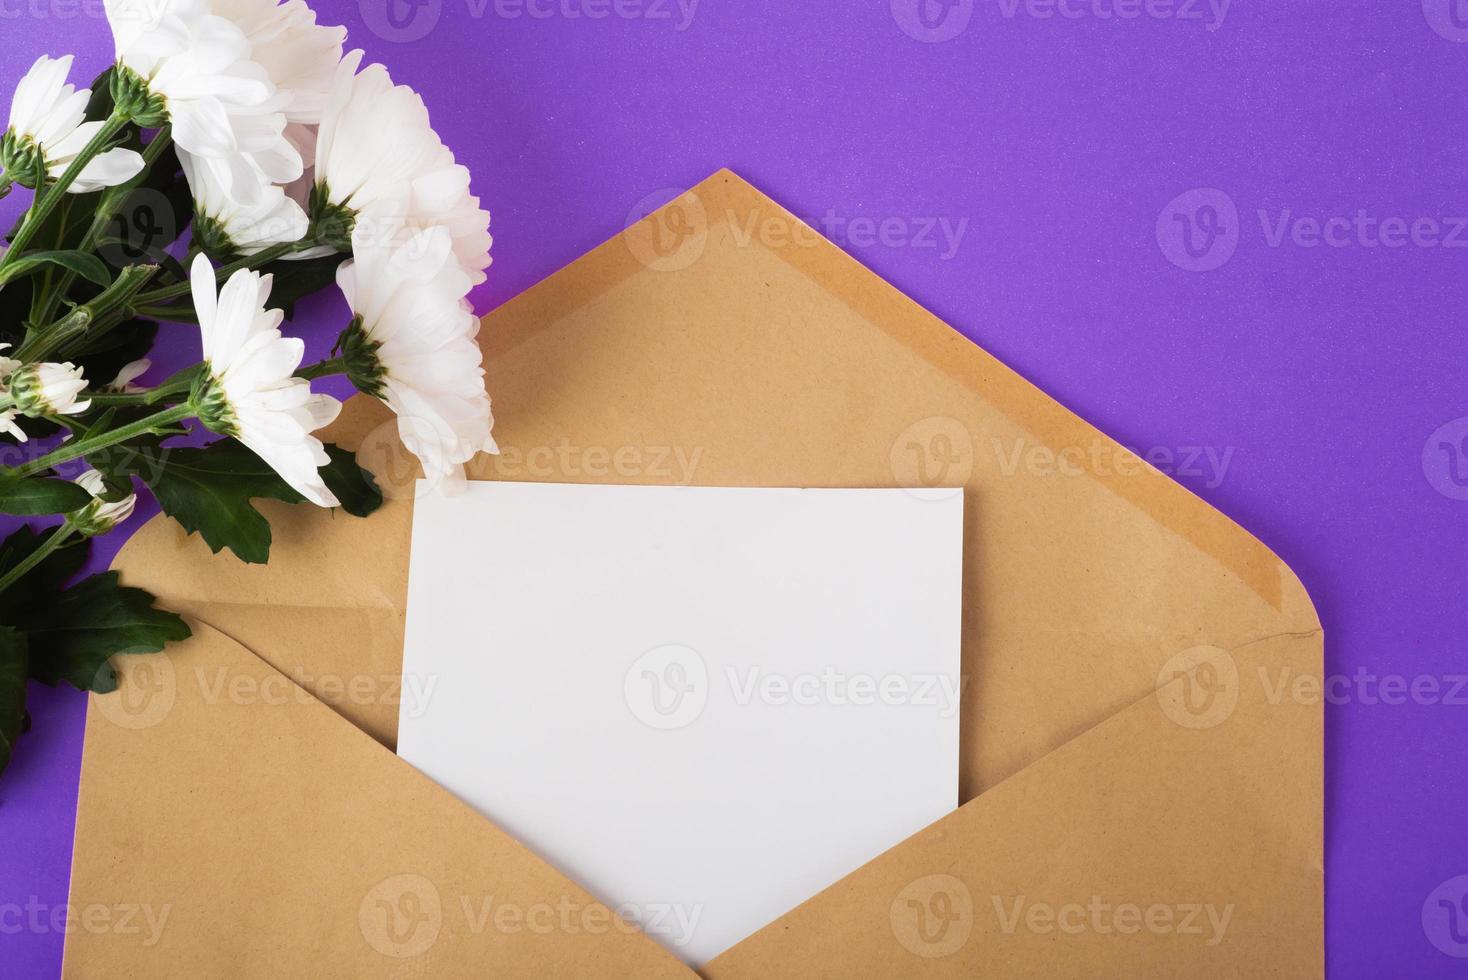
x,y
48,389
100,516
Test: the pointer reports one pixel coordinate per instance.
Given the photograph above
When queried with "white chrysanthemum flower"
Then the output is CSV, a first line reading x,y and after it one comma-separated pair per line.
x,y
299,55
47,117
376,153
100,516
411,344
183,63
224,226
253,393
48,389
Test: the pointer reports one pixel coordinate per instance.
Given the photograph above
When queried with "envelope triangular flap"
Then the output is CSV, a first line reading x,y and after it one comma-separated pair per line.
x,y
257,834
721,342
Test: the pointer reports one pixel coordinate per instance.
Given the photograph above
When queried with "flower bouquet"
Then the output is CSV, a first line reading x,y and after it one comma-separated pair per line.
x,y
265,165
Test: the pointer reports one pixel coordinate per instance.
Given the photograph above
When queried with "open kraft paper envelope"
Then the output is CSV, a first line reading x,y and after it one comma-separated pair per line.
x,y
1141,778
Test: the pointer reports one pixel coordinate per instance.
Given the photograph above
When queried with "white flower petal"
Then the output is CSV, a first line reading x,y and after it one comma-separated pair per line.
x,y
376,152
116,166
410,297
224,106
253,367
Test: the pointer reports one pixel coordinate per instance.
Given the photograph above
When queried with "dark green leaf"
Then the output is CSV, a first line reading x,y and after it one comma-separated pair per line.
x,y
353,486
48,577
99,106
117,348
64,227
41,495
209,489
84,264
73,636
12,691
295,280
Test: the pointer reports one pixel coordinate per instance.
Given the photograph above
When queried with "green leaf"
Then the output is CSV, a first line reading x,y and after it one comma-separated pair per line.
x,y
13,718
296,279
117,348
353,486
73,636
209,489
41,495
72,632
49,576
84,264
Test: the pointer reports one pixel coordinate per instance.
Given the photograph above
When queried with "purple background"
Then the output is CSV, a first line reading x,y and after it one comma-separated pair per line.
x,y
1319,373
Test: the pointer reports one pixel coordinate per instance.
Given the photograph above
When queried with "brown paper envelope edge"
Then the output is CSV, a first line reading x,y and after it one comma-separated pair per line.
x,y
347,863
1166,502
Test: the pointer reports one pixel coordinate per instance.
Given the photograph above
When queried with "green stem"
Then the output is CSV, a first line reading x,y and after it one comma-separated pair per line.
x,y
5,183
106,211
30,561
260,258
181,313
334,365
46,201
176,385
81,447
92,319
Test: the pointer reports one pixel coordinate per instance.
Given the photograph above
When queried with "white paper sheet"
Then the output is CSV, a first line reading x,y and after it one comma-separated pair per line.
x,y
702,704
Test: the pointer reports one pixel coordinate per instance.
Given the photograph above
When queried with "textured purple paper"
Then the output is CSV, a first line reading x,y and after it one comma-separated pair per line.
x,y
1028,170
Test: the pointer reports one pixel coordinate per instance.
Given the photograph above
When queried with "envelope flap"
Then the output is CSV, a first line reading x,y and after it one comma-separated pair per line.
x,y
1160,843
246,830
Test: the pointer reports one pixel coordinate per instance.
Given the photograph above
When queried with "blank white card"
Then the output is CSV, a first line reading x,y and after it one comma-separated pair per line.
x,y
704,705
